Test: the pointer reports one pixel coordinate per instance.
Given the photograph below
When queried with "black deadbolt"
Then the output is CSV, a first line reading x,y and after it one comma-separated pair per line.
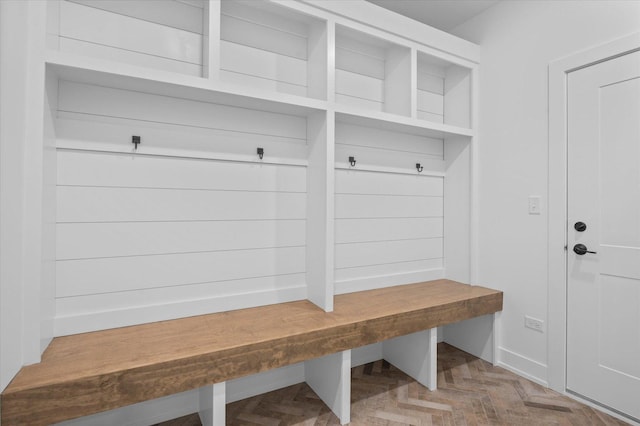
x,y
580,226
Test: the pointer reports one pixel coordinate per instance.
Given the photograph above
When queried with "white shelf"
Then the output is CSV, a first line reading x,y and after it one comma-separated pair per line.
x,y
392,122
130,77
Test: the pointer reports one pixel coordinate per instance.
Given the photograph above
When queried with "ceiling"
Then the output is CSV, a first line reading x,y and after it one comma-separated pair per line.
x,y
441,14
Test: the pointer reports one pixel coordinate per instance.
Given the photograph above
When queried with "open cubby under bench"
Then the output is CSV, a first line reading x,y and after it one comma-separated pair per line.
x,y
88,373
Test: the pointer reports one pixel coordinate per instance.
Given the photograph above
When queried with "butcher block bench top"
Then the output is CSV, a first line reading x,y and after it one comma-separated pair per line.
x,y
92,372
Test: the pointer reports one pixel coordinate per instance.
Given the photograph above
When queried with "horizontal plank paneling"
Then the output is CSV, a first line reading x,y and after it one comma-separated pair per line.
x,y
359,86
262,38
264,64
90,240
372,282
261,83
372,206
118,301
362,230
122,170
430,102
359,102
106,275
387,270
100,132
350,255
112,29
90,204
88,99
351,134
85,48
430,83
364,182
350,60
100,320
266,15
435,118
165,12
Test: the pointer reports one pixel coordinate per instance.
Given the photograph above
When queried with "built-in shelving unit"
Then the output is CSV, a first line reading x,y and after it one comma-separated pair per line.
x,y
241,191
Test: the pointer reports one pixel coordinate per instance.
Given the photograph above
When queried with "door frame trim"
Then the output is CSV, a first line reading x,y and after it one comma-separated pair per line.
x,y
557,190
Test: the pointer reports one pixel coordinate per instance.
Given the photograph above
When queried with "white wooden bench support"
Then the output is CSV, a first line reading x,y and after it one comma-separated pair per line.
x,y
330,378
212,404
416,355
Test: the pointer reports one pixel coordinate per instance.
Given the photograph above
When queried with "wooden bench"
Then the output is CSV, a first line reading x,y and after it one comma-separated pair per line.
x,y
93,372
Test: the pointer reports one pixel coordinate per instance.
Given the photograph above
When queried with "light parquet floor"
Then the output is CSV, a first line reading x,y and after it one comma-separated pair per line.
x,y
470,392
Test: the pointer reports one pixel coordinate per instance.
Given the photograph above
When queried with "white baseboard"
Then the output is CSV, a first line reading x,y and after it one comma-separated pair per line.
x,y
523,366
381,281
601,408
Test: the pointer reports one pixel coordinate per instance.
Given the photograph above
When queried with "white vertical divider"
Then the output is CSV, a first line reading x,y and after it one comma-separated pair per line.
x,y
212,404
416,355
330,378
211,40
320,209
457,208
318,60
331,61
414,83
397,86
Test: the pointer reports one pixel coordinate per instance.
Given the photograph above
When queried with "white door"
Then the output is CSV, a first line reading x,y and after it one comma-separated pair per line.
x,y
603,300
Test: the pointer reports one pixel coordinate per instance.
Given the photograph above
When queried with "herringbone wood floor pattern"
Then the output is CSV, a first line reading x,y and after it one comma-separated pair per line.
x,y
470,392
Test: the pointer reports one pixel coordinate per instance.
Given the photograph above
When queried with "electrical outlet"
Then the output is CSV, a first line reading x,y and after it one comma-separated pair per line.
x,y
534,323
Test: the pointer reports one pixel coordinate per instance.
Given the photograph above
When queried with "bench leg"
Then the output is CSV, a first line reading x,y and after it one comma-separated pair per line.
x,y
330,378
416,355
212,405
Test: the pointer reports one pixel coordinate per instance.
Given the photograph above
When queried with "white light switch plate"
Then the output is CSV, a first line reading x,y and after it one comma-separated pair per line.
x,y
534,204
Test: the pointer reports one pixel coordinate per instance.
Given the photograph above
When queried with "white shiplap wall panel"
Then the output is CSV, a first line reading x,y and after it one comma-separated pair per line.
x,y
83,48
106,28
389,226
384,271
263,47
361,87
92,240
388,229
105,133
145,238
170,13
121,170
96,204
363,182
107,275
83,98
87,304
351,255
381,206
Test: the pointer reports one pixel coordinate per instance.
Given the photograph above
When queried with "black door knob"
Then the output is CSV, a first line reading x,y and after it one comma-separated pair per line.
x,y
581,249
580,226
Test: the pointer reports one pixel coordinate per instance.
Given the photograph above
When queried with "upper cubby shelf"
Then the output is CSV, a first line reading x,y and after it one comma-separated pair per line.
x,y
267,46
166,36
372,73
99,72
443,92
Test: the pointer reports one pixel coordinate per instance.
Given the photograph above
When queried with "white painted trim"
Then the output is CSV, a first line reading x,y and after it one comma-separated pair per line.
x,y
601,408
522,366
212,404
557,212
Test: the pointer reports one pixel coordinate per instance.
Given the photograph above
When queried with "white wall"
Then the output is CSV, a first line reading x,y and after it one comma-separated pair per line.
x,y
518,40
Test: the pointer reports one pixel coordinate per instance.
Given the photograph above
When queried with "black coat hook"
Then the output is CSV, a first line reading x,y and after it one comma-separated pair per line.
x,y
352,161
419,168
261,152
136,141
